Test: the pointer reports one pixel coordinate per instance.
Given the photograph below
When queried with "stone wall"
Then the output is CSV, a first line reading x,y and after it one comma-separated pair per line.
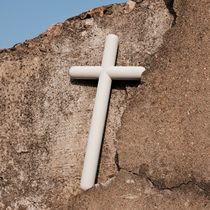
x,y
160,128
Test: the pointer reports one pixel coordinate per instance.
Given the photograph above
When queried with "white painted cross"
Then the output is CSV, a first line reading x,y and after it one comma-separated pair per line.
x,y
105,73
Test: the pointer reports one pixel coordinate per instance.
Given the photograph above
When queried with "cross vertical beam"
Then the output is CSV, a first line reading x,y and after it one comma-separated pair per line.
x,y
105,73
99,115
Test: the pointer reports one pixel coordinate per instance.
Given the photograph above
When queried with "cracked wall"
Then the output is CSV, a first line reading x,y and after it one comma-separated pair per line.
x,y
160,127
129,191
165,129
164,138
45,117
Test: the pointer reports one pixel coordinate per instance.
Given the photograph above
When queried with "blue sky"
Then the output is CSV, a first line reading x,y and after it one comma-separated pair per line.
x,y
25,19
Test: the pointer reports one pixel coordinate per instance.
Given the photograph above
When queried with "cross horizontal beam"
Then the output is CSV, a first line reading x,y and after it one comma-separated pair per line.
x,y
114,72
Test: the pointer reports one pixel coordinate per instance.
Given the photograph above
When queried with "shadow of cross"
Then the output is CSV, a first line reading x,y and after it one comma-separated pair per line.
x,y
105,73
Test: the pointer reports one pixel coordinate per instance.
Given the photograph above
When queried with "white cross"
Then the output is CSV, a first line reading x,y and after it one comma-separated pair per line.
x,y
105,73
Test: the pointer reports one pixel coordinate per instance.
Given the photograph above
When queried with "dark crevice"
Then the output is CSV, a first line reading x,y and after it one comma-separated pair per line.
x,y
170,6
167,188
116,160
88,16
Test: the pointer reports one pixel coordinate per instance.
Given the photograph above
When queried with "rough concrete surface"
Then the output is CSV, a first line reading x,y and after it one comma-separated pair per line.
x,y
128,191
159,128
165,130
